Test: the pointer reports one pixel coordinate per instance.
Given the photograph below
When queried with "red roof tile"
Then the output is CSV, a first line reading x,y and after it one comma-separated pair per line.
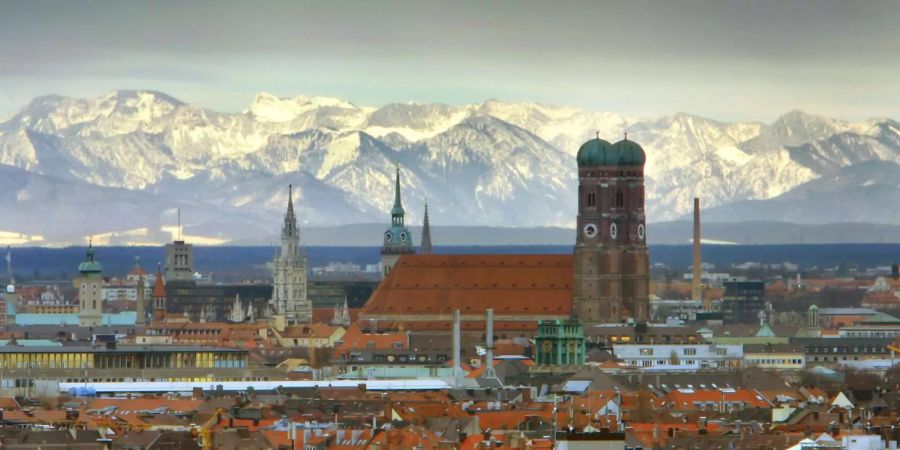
x,y
511,284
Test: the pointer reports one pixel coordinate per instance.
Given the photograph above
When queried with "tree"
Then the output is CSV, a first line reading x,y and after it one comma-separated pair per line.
x,y
673,359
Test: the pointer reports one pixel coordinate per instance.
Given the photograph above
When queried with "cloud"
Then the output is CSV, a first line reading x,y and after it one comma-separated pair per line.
x,y
634,57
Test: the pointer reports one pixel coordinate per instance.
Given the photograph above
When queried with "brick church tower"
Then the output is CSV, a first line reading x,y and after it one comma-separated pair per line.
x,y
611,265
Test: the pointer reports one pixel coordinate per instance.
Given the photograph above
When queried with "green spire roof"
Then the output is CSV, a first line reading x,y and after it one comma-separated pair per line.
x,y
398,206
90,265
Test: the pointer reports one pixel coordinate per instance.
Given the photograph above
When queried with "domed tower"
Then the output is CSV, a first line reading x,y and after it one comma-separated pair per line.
x,y
611,265
90,290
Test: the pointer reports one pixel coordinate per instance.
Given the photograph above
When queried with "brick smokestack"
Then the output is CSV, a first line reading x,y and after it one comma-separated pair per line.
x,y
697,292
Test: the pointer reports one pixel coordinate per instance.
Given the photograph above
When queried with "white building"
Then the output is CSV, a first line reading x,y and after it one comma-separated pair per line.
x,y
684,358
289,272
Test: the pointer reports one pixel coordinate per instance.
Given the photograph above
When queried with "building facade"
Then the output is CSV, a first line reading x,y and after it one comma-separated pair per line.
x,y
398,240
179,262
611,265
289,272
90,290
680,358
743,301
560,343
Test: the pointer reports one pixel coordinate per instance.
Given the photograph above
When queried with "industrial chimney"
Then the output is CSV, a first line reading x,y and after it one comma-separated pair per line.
x,y
489,344
457,350
697,293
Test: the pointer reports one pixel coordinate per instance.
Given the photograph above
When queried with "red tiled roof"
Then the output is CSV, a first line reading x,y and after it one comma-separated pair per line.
x,y
313,330
354,339
511,284
684,399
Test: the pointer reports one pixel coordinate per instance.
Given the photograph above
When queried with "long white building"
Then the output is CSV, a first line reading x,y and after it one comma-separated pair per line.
x,y
686,358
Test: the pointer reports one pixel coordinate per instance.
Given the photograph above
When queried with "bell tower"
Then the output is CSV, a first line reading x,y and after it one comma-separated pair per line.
x,y
397,238
611,264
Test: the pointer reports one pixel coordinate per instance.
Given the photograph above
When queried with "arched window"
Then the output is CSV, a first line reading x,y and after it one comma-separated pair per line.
x,y
620,198
591,199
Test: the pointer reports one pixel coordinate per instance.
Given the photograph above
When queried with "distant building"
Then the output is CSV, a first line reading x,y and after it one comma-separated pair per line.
x,y
289,272
179,262
560,343
90,290
398,240
426,248
680,357
743,301
779,357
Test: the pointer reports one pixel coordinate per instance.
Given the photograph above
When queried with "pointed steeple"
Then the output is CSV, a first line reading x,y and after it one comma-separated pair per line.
x,y
289,231
290,208
397,212
425,248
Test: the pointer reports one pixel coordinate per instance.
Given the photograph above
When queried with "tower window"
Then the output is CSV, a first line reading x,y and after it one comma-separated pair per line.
x,y
620,199
591,199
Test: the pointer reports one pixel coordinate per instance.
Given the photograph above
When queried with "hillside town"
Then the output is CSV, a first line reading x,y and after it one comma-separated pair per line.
x,y
597,348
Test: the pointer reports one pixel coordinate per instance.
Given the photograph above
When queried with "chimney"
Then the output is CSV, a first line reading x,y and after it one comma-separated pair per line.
x,y
457,351
489,343
698,262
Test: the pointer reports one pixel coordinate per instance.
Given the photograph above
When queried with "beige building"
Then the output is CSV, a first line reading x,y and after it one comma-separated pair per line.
x,y
90,291
314,335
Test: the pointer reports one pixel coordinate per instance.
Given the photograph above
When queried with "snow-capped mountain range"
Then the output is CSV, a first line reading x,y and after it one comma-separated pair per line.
x,y
138,155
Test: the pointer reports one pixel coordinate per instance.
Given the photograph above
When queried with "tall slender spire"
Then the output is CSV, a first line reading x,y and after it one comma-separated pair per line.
x,y
397,212
290,208
426,234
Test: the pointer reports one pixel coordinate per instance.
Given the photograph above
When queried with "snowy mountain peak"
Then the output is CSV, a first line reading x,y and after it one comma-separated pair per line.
x,y
490,163
270,108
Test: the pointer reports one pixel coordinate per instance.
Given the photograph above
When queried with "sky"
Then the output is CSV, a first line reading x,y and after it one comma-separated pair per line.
x,y
729,60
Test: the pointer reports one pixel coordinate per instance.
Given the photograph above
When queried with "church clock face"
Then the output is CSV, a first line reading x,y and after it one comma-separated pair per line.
x,y
388,236
641,231
613,230
590,230
403,236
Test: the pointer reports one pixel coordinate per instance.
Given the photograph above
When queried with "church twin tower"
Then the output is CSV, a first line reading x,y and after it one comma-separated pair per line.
x,y
611,264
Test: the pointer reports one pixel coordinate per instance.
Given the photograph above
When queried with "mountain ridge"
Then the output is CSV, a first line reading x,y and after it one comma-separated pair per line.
x,y
493,163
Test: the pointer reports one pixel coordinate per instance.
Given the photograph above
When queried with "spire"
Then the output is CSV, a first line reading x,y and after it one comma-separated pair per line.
x,y
426,234
397,203
289,231
397,212
290,209
159,289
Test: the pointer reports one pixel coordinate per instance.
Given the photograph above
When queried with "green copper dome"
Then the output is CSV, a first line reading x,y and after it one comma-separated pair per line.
x,y
594,152
90,265
630,153
597,152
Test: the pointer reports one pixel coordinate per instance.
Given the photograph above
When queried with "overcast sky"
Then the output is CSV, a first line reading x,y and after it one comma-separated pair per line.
x,y
741,60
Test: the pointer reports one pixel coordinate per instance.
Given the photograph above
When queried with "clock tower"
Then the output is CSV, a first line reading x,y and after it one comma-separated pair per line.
x,y
611,264
397,238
